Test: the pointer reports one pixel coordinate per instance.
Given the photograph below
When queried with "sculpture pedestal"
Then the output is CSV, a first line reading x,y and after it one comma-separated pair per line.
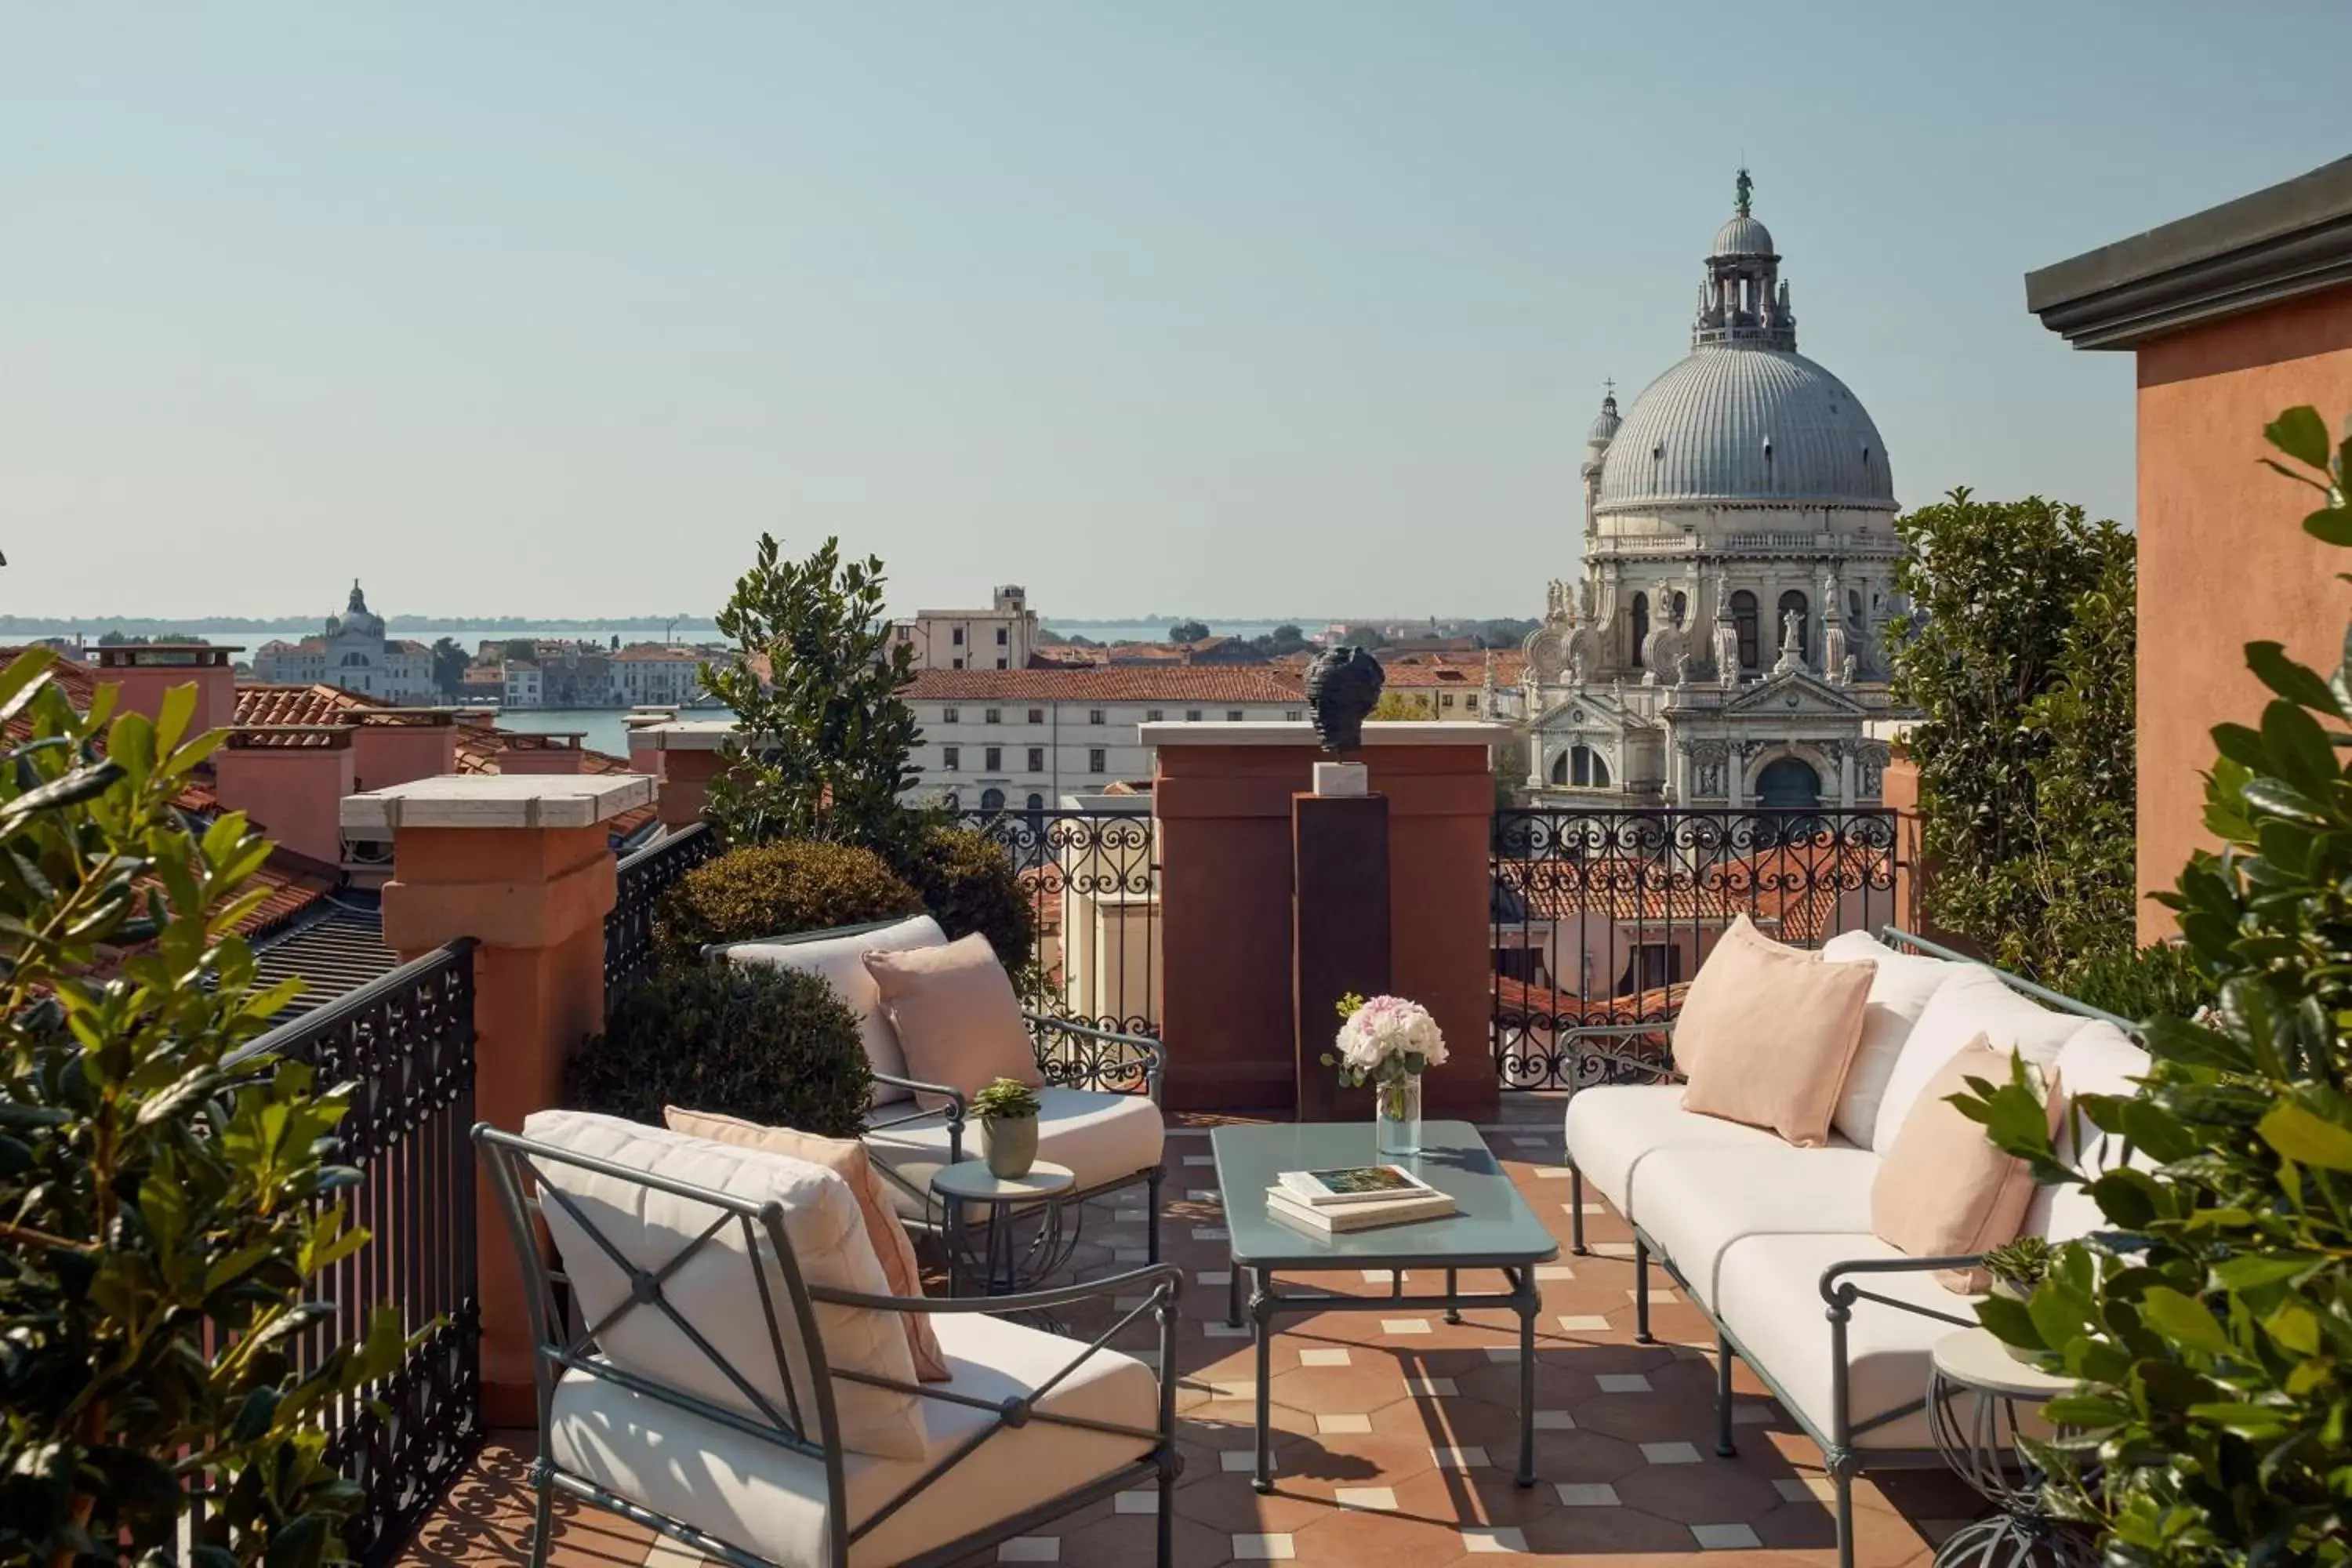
x,y
1339,935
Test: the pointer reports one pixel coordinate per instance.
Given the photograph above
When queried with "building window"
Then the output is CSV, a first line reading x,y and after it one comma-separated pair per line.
x,y
1293,715
1036,804
947,715
1743,620
955,637
1581,767
1682,606
1036,715
1471,702
1000,637
1036,759
992,800
1232,715
958,664
1445,699
1641,627
992,760
1098,761
1191,715
1854,605
950,757
1794,603
1154,715
1000,664
1095,717
992,716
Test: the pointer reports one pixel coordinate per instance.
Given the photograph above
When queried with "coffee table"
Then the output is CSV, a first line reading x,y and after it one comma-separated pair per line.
x,y
1495,1229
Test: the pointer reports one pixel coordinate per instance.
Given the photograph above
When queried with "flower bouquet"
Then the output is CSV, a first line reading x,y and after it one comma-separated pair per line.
x,y
1388,1042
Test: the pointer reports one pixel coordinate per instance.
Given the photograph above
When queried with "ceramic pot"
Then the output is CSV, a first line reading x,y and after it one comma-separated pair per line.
x,y
1009,1145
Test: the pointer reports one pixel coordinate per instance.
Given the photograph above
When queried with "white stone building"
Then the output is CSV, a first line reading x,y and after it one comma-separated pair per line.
x,y
353,654
1020,739
1001,637
1725,643
650,674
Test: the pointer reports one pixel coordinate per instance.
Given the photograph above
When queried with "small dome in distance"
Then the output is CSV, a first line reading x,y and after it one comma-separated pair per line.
x,y
1743,236
1604,426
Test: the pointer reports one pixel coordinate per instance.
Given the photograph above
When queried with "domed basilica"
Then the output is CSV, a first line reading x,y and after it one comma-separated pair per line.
x,y
1724,643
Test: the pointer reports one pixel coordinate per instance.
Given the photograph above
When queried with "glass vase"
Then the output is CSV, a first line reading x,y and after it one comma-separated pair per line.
x,y
1399,1120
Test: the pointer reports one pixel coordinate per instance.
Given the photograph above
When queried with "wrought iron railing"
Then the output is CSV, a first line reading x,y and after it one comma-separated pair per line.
x,y
406,1042
1601,917
1092,880
644,877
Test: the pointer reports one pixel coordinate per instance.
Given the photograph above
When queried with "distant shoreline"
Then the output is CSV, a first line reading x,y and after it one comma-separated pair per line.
x,y
148,625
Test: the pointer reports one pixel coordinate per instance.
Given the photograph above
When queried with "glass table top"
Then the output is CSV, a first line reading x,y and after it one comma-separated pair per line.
x,y
1495,1227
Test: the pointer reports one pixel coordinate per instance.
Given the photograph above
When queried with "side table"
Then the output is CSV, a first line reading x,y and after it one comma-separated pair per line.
x,y
1002,1267
1977,1397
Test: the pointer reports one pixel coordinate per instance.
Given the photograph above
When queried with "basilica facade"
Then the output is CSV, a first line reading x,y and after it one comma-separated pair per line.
x,y
1725,645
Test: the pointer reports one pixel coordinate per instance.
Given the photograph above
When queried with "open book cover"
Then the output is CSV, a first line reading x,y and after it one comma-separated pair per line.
x,y
1429,1204
1353,1185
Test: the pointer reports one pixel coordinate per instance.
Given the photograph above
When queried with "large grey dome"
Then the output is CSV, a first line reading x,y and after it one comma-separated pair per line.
x,y
1744,424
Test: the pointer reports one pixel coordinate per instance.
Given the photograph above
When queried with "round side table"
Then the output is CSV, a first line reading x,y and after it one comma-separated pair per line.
x,y
1002,1267
1975,1398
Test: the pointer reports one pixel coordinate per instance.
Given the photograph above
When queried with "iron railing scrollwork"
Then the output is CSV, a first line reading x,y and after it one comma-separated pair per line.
x,y
405,1044
1092,880
1601,917
644,877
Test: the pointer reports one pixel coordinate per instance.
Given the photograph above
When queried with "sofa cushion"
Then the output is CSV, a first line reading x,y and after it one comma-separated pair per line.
x,y
715,1291
847,1158
772,1504
1769,1298
2097,1059
957,1017
1972,1001
1947,1190
1696,1202
1614,1129
1101,1136
1898,993
842,960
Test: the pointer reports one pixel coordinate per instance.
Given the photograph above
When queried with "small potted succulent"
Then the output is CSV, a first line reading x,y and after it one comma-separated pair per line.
x,y
1007,1113
2015,1270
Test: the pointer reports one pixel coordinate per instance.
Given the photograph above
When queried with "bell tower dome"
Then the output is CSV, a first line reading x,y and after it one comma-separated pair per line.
x,y
1743,299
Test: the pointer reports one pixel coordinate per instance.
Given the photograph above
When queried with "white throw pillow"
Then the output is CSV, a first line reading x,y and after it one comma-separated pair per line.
x,y
1969,1003
2097,1059
841,960
1898,994
718,1290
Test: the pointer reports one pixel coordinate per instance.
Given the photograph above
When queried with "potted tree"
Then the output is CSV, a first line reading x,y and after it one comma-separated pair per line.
x,y
1007,1113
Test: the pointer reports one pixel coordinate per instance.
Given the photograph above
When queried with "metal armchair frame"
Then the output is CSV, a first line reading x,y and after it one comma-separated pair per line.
x,y
803,1425
1071,1055
1844,1285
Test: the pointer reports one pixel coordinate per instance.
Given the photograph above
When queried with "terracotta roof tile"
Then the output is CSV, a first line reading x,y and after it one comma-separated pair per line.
x,y
1114,683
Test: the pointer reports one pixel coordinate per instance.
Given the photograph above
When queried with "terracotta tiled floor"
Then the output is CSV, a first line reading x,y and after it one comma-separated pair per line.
x,y
1371,1473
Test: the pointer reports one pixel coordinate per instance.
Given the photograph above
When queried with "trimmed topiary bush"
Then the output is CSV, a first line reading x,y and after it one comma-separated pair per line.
x,y
774,1045
967,882
775,890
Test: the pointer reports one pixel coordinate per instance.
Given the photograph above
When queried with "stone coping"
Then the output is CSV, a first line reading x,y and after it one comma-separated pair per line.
x,y
684,735
497,799
1282,732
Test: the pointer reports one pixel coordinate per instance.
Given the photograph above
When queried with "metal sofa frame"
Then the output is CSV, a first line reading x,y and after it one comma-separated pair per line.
x,y
1844,1286
808,1413
1070,1055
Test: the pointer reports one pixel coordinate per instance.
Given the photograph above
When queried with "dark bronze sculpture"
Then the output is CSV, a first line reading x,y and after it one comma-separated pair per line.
x,y
1343,686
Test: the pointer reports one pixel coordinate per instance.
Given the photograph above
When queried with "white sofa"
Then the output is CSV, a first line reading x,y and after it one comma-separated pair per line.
x,y
1774,1242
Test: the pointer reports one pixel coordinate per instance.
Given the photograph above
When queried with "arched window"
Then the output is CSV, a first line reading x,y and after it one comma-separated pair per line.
x,y
1036,803
1581,767
1743,618
1641,627
1854,605
354,660
1682,606
1789,784
991,799
1794,600
1559,768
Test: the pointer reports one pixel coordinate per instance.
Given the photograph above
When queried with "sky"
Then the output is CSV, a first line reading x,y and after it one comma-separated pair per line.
x,y
1292,307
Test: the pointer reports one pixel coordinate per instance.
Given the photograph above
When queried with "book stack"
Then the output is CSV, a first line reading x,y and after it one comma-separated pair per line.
x,y
1361,1197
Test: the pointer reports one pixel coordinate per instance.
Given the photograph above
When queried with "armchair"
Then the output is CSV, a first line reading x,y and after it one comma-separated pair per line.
x,y
740,1457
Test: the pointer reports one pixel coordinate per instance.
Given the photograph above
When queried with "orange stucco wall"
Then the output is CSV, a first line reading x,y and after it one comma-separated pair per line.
x,y
295,794
2222,558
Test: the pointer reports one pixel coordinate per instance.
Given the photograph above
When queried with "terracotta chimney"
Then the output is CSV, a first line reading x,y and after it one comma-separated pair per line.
x,y
146,670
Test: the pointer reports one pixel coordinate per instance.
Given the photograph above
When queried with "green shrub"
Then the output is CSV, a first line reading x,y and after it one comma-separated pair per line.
x,y
774,1045
165,1219
967,882
775,890
2162,979
2212,1330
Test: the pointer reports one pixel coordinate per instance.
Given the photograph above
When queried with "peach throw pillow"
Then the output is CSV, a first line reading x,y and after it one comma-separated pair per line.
x,y
956,1016
1946,1190
847,1158
1767,1034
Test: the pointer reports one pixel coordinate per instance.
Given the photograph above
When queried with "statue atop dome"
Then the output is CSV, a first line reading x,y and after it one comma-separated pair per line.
x,y
1745,188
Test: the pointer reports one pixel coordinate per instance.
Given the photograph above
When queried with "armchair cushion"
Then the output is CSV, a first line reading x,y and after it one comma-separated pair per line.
x,y
842,960
1101,1136
1899,990
717,1288
771,1503
847,1159
956,1016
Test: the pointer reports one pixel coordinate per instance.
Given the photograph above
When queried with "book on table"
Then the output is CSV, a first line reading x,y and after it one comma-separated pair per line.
x,y
1345,1188
1281,1204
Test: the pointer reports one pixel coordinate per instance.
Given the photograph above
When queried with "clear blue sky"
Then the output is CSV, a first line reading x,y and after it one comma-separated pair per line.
x,y
1230,308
